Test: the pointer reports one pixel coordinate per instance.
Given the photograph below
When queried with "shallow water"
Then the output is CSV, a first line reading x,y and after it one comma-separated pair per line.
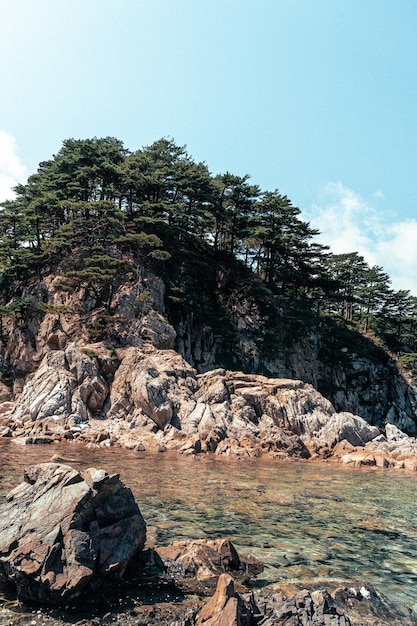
x,y
309,523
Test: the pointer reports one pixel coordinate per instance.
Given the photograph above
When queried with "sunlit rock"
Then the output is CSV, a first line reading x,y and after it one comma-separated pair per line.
x,y
62,532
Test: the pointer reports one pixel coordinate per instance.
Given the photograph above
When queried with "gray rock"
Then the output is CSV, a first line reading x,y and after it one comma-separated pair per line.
x,y
62,532
154,399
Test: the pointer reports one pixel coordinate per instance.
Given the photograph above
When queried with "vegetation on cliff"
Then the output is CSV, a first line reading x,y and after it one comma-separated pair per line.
x,y
100,212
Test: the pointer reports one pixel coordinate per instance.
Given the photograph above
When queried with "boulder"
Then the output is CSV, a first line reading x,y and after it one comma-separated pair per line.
x,y
325,431
205,559
63,532
150,382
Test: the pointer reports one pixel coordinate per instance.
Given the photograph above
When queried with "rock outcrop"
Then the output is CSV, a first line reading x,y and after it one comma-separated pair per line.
x,y
147,396
153,399
394,449
62,532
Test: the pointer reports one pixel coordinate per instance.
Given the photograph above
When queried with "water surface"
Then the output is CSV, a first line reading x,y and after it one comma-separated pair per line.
x,y
317,523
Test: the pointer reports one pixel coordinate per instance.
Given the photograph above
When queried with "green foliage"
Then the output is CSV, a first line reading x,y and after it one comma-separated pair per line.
x,y
16,306
113,353
96,212
409,362
92,354
62,285
55,309
139,240
160,255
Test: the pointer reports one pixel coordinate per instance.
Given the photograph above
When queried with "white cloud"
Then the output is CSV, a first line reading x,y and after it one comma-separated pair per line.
x,y
398,254
379,194
12,170
349,223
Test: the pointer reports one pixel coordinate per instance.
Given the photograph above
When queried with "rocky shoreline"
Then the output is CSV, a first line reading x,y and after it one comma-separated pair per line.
x,y
73,546
154,400
132,389
148,398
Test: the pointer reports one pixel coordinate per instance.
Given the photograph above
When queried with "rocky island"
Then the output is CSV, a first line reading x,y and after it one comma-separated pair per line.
x,y
147,304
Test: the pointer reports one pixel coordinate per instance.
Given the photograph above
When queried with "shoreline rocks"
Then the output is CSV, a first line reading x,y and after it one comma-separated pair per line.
x,y
67,537
63,532
154,400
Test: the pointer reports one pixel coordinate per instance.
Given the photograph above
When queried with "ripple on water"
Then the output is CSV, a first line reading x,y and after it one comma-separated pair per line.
x,y
311,523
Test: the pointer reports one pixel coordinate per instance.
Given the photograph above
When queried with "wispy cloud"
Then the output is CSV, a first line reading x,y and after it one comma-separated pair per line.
x,y
351,223
12,170
398,254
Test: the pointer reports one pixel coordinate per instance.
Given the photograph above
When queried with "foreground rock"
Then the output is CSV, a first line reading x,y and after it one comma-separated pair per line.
x,y
215,594
351,605
214,568
228,608
62,532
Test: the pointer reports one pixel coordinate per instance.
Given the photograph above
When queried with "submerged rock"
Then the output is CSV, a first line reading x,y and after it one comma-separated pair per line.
x,y
63,532
205,560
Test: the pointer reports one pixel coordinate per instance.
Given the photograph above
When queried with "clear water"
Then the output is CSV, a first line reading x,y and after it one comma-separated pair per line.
x,y
314,524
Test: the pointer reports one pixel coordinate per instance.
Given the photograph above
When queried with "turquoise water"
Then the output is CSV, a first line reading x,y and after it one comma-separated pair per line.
x,y
310,523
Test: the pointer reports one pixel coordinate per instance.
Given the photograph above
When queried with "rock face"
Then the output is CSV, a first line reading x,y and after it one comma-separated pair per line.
x,y
61,532
154,400
363,381
146,396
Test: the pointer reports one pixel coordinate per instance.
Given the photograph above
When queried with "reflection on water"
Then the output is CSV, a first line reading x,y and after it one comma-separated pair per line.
x,y
309,522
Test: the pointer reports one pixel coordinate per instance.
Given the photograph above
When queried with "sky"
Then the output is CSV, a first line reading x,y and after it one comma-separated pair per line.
x,y
314,98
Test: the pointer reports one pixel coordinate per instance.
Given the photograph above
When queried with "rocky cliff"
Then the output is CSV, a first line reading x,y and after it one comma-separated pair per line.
x,y
127,376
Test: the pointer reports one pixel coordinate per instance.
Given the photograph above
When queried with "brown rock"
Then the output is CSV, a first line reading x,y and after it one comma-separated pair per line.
x,y
61,532
222,608
207,559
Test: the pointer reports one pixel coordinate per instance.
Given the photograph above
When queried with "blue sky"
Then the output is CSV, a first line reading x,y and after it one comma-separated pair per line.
x,y
314,97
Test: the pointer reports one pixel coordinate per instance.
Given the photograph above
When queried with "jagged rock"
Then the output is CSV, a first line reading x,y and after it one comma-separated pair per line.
x,y
147,383
67,382
396,450
326,431
225,607
154,399
316,608
62,532
365,605
206,559
395,434
345,606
